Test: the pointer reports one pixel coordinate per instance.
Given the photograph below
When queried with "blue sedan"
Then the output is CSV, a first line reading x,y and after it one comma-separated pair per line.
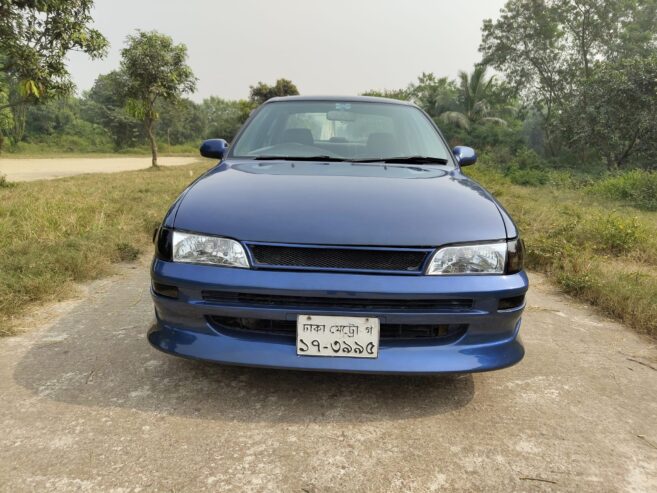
x,y
339,234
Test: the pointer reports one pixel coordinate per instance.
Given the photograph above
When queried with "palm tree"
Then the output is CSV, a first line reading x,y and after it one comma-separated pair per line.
x,y
475,94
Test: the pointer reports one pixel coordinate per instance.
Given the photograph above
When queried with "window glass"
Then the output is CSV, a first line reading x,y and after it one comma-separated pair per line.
x,y
349,130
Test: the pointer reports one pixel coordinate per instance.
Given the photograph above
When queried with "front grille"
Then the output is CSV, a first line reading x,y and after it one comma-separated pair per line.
x,y
409,261
288,328
318,303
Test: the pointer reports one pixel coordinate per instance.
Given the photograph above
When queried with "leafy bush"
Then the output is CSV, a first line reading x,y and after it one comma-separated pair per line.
x,y
3,182
638,188
528,177
615,234
526,167
570,239
491,135
548,250
127,252
575,283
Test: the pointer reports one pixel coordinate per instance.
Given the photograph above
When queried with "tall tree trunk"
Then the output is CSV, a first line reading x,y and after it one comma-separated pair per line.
x,y
19,113
151,139
620,161
612,165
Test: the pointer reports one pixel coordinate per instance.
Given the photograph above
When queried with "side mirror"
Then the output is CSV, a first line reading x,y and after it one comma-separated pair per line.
x,y
465,156
215,148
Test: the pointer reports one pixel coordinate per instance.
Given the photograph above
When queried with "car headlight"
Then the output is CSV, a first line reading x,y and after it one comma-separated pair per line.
x,y
214,250
483,258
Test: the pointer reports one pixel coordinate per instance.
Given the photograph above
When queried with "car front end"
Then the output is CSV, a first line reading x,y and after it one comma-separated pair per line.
x,y
429,324
339,264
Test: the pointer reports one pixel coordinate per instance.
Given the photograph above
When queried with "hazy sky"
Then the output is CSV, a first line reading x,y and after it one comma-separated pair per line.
x,y
338,47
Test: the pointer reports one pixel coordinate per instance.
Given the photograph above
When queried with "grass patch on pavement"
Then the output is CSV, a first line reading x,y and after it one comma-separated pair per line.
x,y
57,232
596,249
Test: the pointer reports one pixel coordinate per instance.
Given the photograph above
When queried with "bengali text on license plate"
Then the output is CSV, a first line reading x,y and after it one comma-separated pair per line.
x,y
351,337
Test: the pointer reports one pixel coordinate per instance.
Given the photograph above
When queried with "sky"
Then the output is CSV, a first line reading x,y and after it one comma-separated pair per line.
x,y
341,47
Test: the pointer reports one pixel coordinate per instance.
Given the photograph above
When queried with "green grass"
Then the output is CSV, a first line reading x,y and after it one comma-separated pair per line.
x,y
601,251
637,188
58,232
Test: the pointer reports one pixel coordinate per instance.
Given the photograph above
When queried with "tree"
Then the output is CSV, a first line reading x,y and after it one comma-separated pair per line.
x,y
223,118
58,124
615,111
180,121
35,38
435,95
105,105
547,48
155,70
528,46
262,92
401,94
53,117
637,35
6,121
475,91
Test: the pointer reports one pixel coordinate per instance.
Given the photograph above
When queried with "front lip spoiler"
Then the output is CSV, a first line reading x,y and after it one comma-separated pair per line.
x,y
392,361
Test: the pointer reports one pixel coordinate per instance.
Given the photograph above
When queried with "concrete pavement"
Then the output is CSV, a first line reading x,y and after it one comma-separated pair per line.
x,y
87,405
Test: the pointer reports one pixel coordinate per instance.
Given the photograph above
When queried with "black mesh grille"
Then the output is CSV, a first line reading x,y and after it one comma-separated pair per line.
x,y
316,302
288,328
339,258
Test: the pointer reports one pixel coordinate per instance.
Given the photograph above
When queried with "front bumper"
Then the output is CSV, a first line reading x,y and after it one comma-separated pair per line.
x,y
490,341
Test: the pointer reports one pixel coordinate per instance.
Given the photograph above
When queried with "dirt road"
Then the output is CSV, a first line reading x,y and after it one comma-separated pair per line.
x,y
87,405
44,169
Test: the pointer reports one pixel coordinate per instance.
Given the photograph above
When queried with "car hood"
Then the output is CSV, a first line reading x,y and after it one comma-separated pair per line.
x,y
339,204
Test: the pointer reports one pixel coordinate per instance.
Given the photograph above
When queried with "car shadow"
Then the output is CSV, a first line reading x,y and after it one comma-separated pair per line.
x,y
97,356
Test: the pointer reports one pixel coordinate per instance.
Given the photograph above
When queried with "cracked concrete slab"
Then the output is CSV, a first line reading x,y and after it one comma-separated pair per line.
x,y
87,405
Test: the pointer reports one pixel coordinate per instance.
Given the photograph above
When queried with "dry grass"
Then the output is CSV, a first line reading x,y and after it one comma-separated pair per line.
x,y
598,250
54,233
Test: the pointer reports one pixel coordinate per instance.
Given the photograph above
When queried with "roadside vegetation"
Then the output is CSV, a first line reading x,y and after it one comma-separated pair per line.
x,y
593,246
101,121
58,232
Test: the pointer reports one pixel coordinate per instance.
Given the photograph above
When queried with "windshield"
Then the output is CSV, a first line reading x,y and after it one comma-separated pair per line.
x,y
340,130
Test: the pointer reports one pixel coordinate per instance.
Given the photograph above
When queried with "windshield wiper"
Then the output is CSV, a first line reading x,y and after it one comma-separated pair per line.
x,y
299,158
406,159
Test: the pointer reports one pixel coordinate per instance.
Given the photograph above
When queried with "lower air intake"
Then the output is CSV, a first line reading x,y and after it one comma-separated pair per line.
x,y
288,328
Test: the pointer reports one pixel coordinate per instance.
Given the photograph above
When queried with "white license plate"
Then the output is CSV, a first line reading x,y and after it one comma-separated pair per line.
x,y
350,337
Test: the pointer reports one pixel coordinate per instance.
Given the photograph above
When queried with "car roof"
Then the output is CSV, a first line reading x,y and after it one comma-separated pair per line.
x,y
352,99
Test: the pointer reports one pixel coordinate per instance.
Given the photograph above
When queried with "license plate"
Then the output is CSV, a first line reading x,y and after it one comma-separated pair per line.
x,y
350,337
